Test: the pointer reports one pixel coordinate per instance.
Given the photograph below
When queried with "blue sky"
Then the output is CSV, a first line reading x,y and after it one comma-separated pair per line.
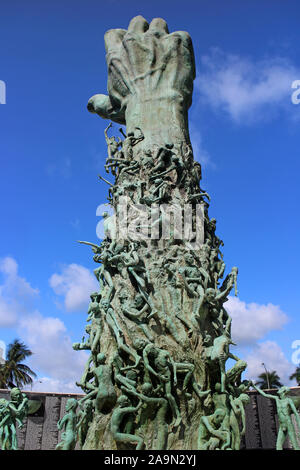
x,y
244,130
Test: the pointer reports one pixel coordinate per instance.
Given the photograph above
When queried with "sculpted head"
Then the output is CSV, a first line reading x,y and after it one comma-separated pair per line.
x,y
189,259
219,415
213,223
123,401
207,341
71,404
94,296
139,344
101,358
105,303
15,394
123,296
169,146
283,391
210,294
138,301
244,398
147,388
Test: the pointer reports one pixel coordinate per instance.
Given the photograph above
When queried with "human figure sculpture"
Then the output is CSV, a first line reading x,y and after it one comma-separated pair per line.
x,y
173,286
148,396
128,381
163,361
218,353
233,378
110,318
85,417
217,266
163,158
123,409
113,145
211,305
7,437
195,279
237,415
135,267
231,280
155,304
12,413
193,274
95,329
177,165
211,434
211,235
135,311
101,389
69,424
103,274
285,409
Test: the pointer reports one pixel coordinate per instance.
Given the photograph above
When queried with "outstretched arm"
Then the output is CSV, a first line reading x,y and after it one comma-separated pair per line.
x,y
225,292
105,133
140,395
232,356
263,393
134,314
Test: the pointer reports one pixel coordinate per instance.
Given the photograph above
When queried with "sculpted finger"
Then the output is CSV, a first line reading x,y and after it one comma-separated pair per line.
x,y
159,27
138,25
101,105
113,39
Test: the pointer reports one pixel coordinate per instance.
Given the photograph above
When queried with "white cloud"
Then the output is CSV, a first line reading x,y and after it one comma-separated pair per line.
x,y
251,322
269,353
53,352
48,384
245,89
16,294
75,283
9,266
8,313
15,285
47,337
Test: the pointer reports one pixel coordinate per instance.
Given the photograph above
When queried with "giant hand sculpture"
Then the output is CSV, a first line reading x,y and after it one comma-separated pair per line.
x,y
150,80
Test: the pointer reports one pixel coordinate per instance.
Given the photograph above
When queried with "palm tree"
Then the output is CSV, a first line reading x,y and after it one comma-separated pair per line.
x,y
296,375
269,380
13,373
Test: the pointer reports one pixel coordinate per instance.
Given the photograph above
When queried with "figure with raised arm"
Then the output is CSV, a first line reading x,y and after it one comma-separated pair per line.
x,y
285,409
124,408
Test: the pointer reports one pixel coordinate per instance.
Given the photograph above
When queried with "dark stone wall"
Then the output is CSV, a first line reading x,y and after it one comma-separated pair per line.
x,y
262,422
40,429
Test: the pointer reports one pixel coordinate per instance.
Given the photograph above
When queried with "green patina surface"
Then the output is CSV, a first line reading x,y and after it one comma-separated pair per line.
x,y
157,330
12,414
